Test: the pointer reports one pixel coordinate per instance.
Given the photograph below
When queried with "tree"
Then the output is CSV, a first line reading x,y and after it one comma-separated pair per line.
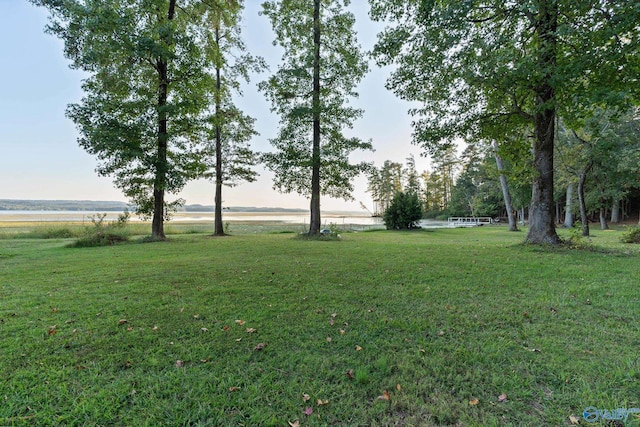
x,y
404,212
229,128
145,95
484,66
384,183
322,64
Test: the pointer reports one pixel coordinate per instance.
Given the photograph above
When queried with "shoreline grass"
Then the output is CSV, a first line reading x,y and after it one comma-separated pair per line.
x,y
169,333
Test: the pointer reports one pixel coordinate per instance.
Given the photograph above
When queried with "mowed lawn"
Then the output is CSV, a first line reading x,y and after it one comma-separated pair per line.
x,y
462,327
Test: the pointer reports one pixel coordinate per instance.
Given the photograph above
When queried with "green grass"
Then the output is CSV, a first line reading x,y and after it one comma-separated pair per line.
x,y
436,318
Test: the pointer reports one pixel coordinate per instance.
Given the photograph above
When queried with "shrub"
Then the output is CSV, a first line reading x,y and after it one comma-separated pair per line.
x,y
404,212
104,234
631,235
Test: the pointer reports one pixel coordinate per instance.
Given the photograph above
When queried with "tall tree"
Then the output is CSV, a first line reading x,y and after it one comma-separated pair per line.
x,y
145,94
497,65
229,128
322,64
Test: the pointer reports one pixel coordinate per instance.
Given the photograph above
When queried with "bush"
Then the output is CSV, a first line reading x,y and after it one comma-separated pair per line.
x,y
404,212
104,234
631,235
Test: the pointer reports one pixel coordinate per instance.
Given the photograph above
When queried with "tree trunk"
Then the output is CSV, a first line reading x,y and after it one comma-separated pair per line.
x,y
314,225
603,219
568,209
542,229
583,206
615,212
161,166
513,226
159,182
218,226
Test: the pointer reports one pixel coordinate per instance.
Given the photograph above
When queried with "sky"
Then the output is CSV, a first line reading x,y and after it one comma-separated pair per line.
x,y
40,158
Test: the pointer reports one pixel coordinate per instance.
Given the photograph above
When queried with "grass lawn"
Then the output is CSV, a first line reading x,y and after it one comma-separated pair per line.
x,y
459,327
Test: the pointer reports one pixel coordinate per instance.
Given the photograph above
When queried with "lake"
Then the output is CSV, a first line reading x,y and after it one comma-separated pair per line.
x,y
329,217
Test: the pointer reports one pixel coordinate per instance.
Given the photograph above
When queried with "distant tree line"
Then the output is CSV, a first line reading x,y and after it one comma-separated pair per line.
x,y
598,177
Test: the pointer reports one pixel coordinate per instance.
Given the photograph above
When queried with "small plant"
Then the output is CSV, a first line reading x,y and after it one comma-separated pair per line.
x,y
631,235
576,239
104,234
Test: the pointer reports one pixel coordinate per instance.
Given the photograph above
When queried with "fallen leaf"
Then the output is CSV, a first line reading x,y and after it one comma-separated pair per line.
x,y
474,401
130,328
296,423
53,330
74,331
398,387
196,316
122,321
321,402
350,374
440,333
238,339
574,420
155,328
232,389
588,302
358,348
342,332
259,347
179,363
329,339
305,397
251,330
332,321
308,411
240,322
225,328
502,397
204,329
127,364
55,310
333,315
385,395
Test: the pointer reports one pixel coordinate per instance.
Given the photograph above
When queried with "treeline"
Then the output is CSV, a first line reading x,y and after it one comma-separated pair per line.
x,y
597,176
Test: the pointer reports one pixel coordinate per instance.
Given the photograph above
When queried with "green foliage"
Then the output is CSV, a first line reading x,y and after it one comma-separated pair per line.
x,y
148,90
404,212
631,235
290,90
104,234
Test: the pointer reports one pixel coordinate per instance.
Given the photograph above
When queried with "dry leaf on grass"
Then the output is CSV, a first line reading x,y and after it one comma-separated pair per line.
x,y
259,346
574,420
240,322
305,397
232,389
474,401
296,423
350,374
179,363
385,395
251,330
358,348
502,397
321,402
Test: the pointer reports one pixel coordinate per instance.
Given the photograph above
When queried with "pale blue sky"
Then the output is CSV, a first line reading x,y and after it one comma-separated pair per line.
x,y
39,155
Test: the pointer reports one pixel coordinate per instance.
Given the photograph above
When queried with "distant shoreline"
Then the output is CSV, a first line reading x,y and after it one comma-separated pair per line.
x,y
94,206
